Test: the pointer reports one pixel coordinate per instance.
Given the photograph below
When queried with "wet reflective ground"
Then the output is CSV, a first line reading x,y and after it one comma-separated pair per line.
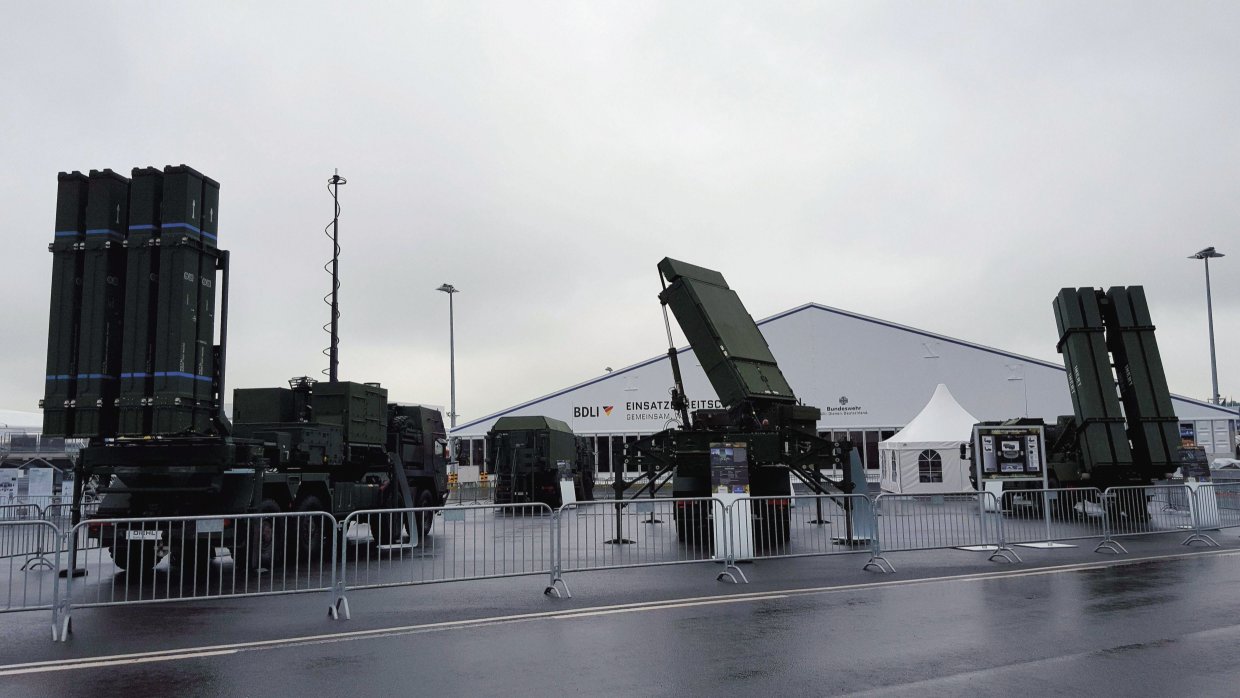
x,y
1081,624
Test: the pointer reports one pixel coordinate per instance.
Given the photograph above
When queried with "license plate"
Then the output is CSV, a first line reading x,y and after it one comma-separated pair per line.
x,y
144,535
210,526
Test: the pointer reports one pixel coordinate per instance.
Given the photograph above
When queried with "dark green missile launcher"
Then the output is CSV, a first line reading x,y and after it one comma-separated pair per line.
x,y
131,342
531,455
1124,431
132,366
762,417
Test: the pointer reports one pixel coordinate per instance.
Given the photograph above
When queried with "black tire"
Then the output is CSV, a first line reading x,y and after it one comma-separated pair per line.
x,y
772,521
587,486
387,528
425,519
135,555
192,559
266,539
311,534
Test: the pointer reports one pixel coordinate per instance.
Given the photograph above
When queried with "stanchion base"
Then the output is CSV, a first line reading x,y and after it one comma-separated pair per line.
x,y
653,520
75,572
858,542
619,541
819,522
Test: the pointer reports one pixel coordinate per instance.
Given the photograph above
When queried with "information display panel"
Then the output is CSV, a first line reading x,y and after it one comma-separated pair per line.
x,y
1009,453
729,467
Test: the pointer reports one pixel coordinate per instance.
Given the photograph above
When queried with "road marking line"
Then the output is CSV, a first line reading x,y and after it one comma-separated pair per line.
x,y
234,648
660,607
114,662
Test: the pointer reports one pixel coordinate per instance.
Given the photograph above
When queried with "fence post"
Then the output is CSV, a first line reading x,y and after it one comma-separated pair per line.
x,y
877,561
339,605
1197,511
1108,544
730,570
557,557
62,606
1002,550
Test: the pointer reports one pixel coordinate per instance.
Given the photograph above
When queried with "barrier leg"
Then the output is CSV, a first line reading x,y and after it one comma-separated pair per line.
x,y
557,566
877,561
1197,512
339,605
1003,551
730,570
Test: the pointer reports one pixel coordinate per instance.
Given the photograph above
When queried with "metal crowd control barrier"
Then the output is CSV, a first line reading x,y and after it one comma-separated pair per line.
x,y
165,559
472,493
1039,518
381,547
31,564
615,533
806,525
967,520
1136,510
20,512
1225,498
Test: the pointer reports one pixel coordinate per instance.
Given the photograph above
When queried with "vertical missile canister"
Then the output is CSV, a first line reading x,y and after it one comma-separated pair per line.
x,y
205,391
141,302
62,330
103,277
175,366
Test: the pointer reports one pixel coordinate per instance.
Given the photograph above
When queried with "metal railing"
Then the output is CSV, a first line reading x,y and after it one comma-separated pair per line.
x,y
398,547
28,579
1147,510
967,520
805,525
165,559
1040,518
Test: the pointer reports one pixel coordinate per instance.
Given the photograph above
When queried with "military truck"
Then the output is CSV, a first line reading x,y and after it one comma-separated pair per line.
x,y
762,435
530,455
1124,430
133,367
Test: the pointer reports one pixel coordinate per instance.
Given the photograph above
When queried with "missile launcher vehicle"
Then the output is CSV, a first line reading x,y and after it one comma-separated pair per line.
x,y
763,428
1124,430
133,368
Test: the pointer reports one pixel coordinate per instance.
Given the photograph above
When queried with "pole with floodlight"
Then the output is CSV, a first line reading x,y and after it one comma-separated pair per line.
x,y
1206,255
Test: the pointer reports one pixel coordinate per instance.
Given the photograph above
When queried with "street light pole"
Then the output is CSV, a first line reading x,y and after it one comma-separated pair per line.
x,y
1206,255
450,289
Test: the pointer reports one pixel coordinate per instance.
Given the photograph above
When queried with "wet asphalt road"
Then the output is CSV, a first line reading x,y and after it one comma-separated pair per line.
x,y
804,627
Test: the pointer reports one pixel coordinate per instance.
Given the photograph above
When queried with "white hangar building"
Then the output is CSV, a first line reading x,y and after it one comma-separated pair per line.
x,y
868,376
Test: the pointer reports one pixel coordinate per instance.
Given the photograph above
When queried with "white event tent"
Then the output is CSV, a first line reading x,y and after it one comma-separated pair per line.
x,y
924,456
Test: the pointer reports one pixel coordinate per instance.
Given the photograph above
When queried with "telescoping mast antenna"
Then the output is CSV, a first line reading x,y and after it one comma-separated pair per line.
x,y
333,299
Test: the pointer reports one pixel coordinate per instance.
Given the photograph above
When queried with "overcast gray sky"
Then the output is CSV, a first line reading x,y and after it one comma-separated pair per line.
x,y
948,166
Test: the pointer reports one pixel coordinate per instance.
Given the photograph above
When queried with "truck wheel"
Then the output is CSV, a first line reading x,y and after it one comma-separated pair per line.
x,y
191,559
134,555
386,528
771,530
311,532
267,540
425,519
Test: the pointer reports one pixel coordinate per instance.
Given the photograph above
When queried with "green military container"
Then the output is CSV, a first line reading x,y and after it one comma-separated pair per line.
x,y
263,405
359,408
530,455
